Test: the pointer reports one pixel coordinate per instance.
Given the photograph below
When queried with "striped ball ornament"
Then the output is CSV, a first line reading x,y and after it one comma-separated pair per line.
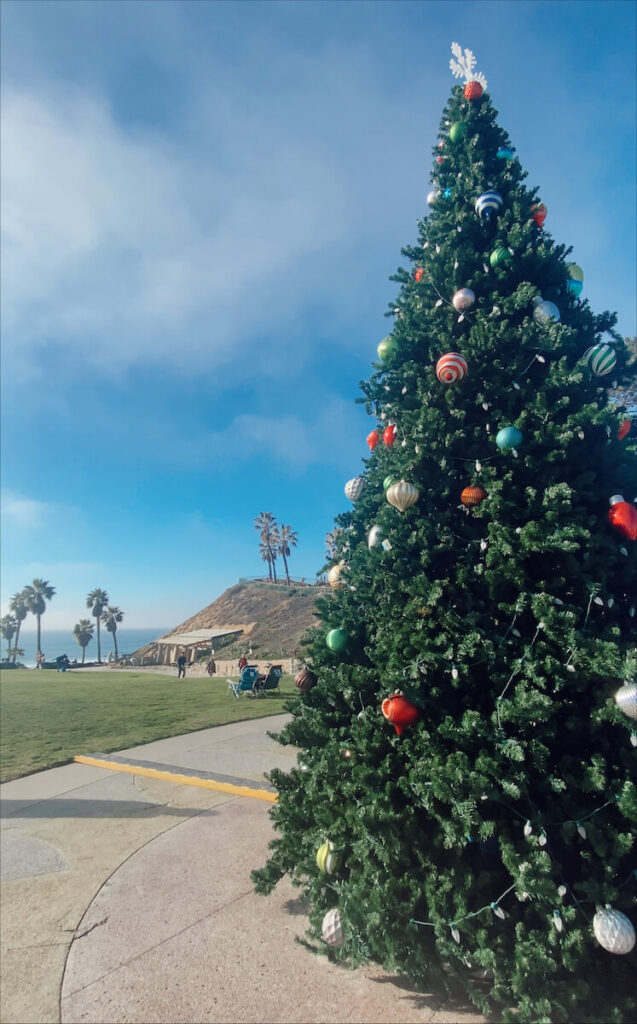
x,y
328,861
472,496
626,699
489,205
451,367
600,358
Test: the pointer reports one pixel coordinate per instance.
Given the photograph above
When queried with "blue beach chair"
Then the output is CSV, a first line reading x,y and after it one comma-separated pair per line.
x,y
247,681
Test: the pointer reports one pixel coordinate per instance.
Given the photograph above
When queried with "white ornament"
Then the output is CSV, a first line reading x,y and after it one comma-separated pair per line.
x,y
464,64
374,537
334,576
331,929
354,488
402,494
626,699
613,930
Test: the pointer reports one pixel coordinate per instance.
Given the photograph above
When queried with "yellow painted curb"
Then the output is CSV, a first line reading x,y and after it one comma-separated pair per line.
x,y
182,780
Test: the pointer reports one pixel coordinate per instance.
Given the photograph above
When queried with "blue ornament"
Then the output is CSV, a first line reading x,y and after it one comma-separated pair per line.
x,y
488,205
575,287
505,153
508,437
447,193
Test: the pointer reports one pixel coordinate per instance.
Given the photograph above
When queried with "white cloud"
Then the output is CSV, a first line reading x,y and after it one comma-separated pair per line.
x,y
21,513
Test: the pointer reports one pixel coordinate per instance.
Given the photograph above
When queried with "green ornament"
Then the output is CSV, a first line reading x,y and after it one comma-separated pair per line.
x,y
457,131
336,640
386,347
499,257
387,482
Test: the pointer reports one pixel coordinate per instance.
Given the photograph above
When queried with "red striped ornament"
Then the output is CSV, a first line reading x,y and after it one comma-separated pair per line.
x,y
451,367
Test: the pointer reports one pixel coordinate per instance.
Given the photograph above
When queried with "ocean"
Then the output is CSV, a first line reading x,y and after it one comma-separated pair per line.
x,y
61,641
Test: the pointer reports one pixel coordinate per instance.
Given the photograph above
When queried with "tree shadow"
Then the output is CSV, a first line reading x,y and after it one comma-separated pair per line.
x,y
71,808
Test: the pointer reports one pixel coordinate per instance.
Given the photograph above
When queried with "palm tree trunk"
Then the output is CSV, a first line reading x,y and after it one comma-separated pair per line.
x,y
83,653
17,642
273,557
38,633
285,562
115,642
99,649
270,568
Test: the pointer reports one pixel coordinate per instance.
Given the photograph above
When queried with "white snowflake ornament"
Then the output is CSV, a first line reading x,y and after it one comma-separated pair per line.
x,y
464,64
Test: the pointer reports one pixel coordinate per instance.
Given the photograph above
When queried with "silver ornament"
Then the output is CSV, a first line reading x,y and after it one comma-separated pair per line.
x,y
354,488
626,699
614,931
331,929
402,494
374,537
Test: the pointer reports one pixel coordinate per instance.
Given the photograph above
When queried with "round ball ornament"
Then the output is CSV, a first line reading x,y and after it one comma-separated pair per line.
x,y
400,712
626,699
390,434
402,495
508,438
576,279
505,153
545,312
472,496
451,367
439,159
457,131
354,488
387,482
622,516
488,205
473,91
624,429
418,274
336,640
601,359
463,299
539,212
327,859
334,576
499,257
332,929
374,537
385,348
614,931
431,197
372,439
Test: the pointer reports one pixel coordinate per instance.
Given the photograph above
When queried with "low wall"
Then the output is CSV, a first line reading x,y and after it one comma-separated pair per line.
x,y
290,666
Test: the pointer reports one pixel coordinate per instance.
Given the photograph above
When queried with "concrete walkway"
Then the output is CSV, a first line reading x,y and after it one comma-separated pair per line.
x,y
128,898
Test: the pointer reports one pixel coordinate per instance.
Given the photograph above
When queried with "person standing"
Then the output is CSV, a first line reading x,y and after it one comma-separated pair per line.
x,y
211,668
181,666
243,661
39,659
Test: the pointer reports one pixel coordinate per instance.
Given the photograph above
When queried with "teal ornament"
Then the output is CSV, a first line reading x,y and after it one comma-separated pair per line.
x,y
499,256
504,153
545,312
508,437
336,640
457,131
447,193
600,358
575,287
576,279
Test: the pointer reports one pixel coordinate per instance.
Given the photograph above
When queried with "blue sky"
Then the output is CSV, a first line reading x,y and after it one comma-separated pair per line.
x,y
201,206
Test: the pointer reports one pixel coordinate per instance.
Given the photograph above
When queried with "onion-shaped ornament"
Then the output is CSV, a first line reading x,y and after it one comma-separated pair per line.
x,y
402,494
614,931
463,299
488,205
374,537
451,367
626,699
334,576
305,680
601,358
472,496
354,487
332,929
545,312
576,279
327,859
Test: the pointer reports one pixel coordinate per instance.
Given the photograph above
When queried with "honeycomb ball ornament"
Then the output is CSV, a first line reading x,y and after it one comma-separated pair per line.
x,y
334,576
385,348
332,929
463,299
508,437
576,279
354,488
626,699
600,358
473,91
451,367
614,931
374,537
457,131
488,205
327,859
545,312
402,495
472,496
500,257
336,640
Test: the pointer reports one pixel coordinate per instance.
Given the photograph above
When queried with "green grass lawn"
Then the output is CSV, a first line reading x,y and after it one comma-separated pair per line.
x,y
48,717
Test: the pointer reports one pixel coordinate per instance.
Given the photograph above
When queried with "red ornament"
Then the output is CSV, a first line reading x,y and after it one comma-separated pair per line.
x,y
624,430
390,434
373,439
418,274
399,711
472,496
473,91
539,212
439,159
622,516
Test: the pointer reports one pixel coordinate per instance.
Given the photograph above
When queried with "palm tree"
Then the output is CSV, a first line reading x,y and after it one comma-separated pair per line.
x,y
19,610
264,551
36,595
8,626
266,524
97,601
110,617
83,633
287,539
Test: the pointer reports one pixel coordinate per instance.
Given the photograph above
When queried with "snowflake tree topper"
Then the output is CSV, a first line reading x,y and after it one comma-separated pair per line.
x,y
463,66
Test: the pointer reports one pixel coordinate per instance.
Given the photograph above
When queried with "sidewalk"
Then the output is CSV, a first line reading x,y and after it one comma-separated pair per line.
x,y
128,898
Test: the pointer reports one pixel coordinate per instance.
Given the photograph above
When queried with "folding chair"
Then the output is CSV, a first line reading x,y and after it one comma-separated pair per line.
x,y
270,682
247,681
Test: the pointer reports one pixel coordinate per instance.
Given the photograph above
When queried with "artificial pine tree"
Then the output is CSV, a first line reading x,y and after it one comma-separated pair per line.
x,y
474,840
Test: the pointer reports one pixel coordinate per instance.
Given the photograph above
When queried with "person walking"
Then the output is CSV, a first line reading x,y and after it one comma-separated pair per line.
x,y
243,661
211,668
181,666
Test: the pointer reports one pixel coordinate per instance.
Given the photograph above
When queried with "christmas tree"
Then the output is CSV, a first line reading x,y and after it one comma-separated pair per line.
x,y
464,804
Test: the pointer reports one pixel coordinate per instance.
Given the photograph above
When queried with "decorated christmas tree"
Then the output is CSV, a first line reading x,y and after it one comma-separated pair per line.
x,y
464,805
